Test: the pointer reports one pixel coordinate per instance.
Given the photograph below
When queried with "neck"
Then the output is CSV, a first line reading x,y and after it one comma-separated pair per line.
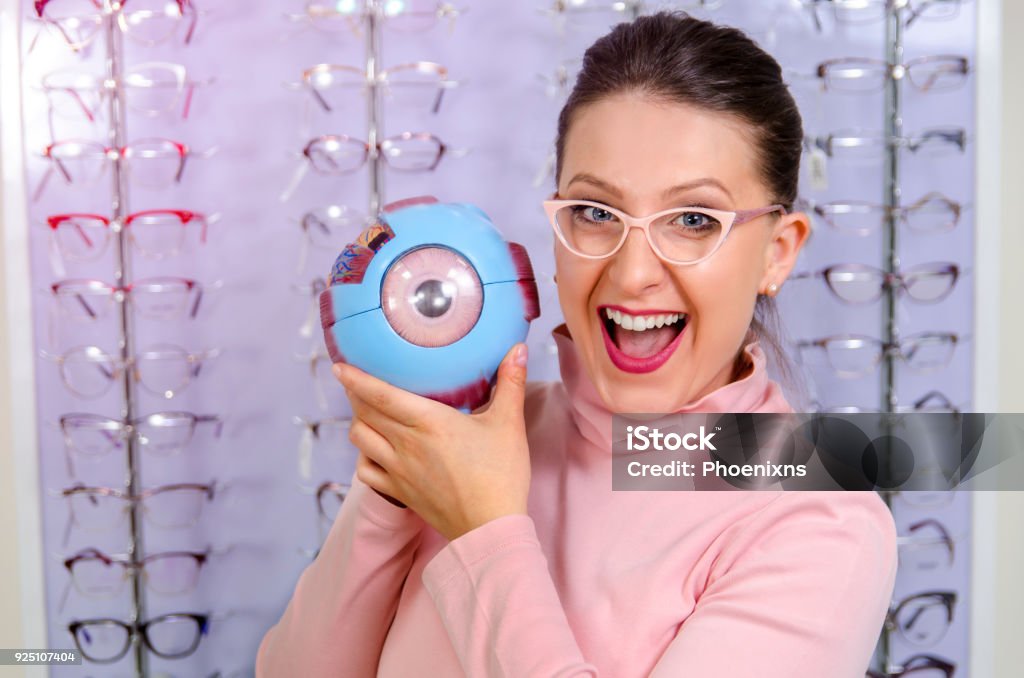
x,y
749,391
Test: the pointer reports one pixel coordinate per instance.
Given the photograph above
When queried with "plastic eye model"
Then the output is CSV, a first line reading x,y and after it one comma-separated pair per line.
x,y
430,299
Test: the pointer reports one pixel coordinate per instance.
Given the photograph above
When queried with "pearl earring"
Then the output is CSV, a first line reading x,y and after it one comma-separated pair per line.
x,y
772,289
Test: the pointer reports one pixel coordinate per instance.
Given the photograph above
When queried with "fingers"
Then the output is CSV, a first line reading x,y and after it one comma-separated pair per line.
x,y
510,391
381,423
373,445
396,403
373,475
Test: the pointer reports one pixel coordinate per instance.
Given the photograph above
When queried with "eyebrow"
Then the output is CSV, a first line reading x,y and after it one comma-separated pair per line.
x,y
681,188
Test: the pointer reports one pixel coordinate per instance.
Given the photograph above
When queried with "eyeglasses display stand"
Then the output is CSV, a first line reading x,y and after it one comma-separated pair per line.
x,y
122,277
921,129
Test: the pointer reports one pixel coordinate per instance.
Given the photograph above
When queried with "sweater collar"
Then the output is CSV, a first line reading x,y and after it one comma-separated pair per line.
x,y
755,392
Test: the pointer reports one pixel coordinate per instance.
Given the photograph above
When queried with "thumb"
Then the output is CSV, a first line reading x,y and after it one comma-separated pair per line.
x,y
510,391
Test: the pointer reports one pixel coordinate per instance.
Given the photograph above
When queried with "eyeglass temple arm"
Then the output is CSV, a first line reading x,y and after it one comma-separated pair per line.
x,y
323,102
181,168
199,299
943,532
743,216
437,100
85,305
195,18
190,89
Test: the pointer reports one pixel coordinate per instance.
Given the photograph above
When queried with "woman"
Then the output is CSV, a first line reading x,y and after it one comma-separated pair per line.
x,y
514,557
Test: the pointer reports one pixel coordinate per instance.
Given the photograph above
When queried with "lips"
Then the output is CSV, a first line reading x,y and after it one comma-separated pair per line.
x,y
638,360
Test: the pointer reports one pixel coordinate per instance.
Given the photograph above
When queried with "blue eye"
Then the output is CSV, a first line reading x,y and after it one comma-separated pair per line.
x,y
589,213
696,221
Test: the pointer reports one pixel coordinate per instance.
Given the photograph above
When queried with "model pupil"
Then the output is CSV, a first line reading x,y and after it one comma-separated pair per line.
x,y
431,299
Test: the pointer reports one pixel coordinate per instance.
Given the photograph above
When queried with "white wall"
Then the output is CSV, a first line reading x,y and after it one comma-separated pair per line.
x,y
999,586
21,621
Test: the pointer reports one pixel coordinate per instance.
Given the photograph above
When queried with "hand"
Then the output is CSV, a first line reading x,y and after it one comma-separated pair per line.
x,y
457,471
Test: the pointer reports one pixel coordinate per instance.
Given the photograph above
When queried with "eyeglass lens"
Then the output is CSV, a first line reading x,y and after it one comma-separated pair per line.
x,y
683,236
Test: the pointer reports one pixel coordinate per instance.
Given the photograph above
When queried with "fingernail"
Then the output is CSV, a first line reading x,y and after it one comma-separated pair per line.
x,y
522,353
337,369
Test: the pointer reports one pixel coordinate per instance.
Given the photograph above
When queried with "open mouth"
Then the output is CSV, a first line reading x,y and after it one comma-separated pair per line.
x,y
640,341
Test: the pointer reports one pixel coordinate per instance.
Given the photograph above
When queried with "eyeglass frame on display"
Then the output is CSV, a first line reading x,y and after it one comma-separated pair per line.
x,y
382,80
948,600
895,348
901,214
869,66
200,558
316,12
105,86
111,154
103,13
897,281
378,151
334,487
915,664
125,429
123,294
919,405
884,5
193,360
208,489
955,136
202,627
115,225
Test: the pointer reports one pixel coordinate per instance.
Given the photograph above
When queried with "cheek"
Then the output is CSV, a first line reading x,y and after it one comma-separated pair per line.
x,y
722,296
575,282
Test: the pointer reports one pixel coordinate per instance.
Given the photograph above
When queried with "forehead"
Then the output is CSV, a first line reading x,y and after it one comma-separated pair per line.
x,y
644,146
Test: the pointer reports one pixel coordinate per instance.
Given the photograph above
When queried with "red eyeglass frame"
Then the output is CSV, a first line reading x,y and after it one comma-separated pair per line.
x,y
41,5
185,216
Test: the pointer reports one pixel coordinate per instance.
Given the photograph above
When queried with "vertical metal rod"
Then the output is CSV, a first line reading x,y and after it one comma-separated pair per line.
x,y
893,130
126,344
373,108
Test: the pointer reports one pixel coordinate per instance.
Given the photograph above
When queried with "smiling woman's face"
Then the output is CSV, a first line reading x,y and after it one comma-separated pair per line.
x,y
642,156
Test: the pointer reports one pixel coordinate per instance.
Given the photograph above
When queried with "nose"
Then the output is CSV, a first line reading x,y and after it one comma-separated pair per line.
x,y
636,269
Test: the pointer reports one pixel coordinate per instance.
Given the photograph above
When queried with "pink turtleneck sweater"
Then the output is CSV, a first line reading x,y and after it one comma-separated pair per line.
x,y
594,582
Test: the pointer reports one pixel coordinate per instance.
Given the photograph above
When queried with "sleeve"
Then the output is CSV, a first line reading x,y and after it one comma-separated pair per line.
x,y
499,605
804,592
344,602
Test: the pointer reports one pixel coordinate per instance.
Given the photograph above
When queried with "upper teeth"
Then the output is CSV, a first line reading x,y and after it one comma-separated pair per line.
x,y
639,323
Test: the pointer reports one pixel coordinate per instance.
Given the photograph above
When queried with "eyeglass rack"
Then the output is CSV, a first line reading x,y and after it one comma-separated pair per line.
x,y
893,129
374,40
126,341
895,24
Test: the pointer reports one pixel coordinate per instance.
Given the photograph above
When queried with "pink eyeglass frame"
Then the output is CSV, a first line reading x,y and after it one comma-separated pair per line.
x,y
382,145
113,153
727,219
112,290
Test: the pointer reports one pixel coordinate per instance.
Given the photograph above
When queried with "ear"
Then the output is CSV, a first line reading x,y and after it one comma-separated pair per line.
x,y
787,239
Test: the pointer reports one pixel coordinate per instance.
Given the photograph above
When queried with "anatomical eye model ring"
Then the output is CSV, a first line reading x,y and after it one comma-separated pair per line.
x,y
430,299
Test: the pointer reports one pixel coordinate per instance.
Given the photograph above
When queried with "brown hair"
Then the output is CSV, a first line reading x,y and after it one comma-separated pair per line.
x,y
675,57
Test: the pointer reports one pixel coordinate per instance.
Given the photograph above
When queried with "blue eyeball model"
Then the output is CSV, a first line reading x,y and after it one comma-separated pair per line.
x,y
430,299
